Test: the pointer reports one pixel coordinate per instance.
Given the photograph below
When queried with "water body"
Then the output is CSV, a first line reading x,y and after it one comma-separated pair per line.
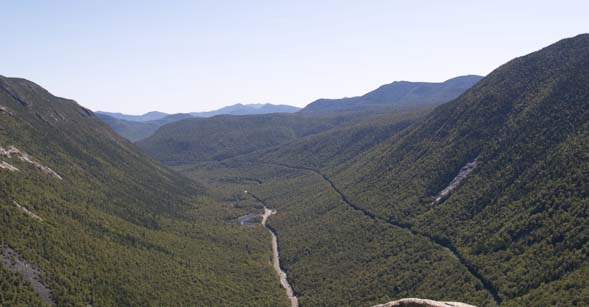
x,y
247,219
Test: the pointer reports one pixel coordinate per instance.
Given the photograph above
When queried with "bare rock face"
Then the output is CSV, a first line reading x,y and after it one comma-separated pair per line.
x,y
464,172
5,110
12,261
13,152
418,302
7,166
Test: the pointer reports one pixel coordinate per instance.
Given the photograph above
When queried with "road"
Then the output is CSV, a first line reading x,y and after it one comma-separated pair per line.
x,y
445,245
294,302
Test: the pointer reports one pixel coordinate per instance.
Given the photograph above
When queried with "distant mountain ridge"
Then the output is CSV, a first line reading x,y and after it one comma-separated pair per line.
x,y
138,127
200,139
249,109
236,109
398,94
393,96
154,115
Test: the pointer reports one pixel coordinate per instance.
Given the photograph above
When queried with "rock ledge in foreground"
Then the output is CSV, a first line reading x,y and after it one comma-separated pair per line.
x,y
417,302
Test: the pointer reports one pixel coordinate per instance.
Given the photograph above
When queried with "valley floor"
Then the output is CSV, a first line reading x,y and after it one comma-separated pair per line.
x,y
335,254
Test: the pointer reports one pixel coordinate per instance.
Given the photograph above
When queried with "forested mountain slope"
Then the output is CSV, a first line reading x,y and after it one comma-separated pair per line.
x,y
488,191
223,137
93,221
499,175
226,136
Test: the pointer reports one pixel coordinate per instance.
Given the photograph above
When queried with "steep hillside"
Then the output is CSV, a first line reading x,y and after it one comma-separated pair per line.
x,y
89,220
497,178
397,95
499,175
338,145
225,136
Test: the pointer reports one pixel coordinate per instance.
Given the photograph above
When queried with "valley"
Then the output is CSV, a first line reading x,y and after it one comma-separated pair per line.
x,y
459,181
247,220
309,206
448,246
97,222
471,190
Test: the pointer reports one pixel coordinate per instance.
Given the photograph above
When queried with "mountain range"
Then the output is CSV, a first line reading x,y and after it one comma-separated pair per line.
x,y
149,116
473,190
248,109
490,189
397,95
236,109
137,127
225,136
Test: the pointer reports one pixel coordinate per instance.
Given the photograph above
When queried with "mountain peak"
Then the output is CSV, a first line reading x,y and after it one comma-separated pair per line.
x,y
248,109
398,94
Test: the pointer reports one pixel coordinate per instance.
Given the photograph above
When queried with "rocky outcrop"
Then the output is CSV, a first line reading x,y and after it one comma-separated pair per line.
x,y
13,152
464,172
5,110
27,211
418,302
13,262
7,166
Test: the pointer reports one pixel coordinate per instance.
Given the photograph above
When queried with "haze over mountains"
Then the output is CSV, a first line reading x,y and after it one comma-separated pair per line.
x,y
248,109
137,127
473,190
400,96
154,115
397,95
236,109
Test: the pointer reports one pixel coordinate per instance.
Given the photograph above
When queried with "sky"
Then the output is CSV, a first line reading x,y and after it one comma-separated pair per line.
x,y
186,56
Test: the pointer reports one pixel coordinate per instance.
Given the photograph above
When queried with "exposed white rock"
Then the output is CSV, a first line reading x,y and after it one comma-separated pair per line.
x,y
4,109
464,172
418,302
13,152
28,212
56,116
7,166
266,215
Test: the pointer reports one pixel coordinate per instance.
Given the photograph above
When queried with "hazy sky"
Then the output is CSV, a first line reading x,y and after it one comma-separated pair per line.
x,y
181,56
